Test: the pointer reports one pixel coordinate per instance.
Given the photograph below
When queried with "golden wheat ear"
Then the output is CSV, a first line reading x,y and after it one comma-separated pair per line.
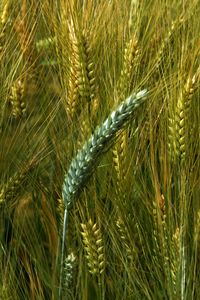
x,y
17,98
128,70
178,138
4,16
81,87
94,248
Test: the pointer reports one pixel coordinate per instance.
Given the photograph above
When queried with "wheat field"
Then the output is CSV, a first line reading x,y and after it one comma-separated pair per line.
x,y
99,149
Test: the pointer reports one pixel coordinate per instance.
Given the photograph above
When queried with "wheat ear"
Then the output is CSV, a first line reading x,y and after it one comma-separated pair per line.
x,y
130,59
160,229
82,80
82,165
127,245
4,17
70,262
10,189
178,125
93,245
17,98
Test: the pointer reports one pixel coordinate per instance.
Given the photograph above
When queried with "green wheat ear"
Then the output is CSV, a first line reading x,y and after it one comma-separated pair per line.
x,y
82,165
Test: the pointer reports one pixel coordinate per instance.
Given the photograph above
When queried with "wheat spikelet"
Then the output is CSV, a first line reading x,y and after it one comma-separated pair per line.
x,y
82,165
178,133
93,245
17,98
